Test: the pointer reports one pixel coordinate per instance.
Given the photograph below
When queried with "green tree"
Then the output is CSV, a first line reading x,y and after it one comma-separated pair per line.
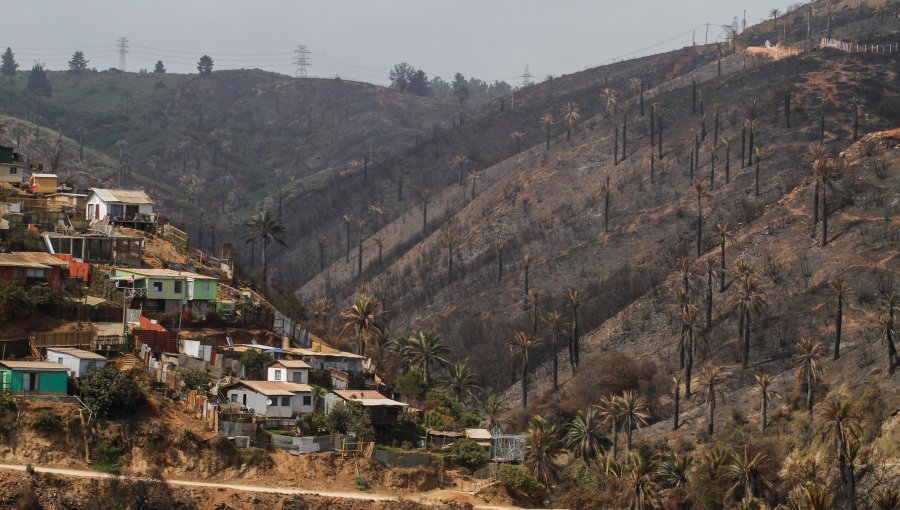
x,y
256,360
570,115
710,379
635,411
160,68
841,424
491,411
38,84
461,381
78,64
748,300
609,411
318,396
351,418
641,486
266,228
401,76
468,453
419,85
110,392
763,388
584,437
541,445
8,70
425,349
205,65
195,379
362,318
747,473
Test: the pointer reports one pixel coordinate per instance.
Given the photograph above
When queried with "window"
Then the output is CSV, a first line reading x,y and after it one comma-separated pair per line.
x,y
59,360
307,400
13,170
177,287
277,375
298,376
205,284
234,398
36,273
286,401
157,286
18,274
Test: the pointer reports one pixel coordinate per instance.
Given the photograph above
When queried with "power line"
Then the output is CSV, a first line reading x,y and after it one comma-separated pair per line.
x,y
301,60
123,50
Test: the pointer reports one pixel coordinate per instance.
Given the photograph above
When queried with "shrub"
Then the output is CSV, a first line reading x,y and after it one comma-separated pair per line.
x,y
195,379
362,484
110,393
45,422
516,478
312,424
253,359
468,453
351,418
106,457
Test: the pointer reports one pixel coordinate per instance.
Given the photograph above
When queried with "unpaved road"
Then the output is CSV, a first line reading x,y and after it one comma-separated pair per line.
x,y
82,473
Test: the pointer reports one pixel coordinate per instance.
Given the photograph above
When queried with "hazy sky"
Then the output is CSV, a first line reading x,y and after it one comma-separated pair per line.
x,y
362,40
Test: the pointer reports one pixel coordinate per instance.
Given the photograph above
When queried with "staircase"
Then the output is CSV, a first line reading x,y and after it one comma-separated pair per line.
x,y
127,362
484,477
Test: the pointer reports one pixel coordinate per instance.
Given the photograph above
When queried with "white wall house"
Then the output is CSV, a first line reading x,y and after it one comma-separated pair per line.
x,y
288,370
341,360
119,205
78,361
272,399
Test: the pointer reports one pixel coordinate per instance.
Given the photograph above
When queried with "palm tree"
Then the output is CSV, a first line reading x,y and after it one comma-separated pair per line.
x,y
749,299
518,136
840,287
425,349
612,100
816,497
764,383
710,378
554,328
548,120
700,193
266,228
570,114
637,87
888,498
634,411
491,410
461,381
541,445
676,398
520,344
676,472
575,298
807,360
450,237
747,473
609,411
724,233
815,153
473,176
886,323
840,423
641,486
321,306
362,318
826,171
318,395
347,219
583,437
689,316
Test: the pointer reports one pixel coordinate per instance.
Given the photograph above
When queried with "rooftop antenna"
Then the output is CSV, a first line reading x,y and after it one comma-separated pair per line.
x,y
122,51
302,61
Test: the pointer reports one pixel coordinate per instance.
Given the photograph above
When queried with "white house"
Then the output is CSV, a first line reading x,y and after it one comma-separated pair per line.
x,y
345,361
272,398
288,370
120,206
78,361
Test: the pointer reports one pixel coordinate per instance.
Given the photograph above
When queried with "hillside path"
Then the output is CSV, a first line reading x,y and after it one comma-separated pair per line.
x,y
83,473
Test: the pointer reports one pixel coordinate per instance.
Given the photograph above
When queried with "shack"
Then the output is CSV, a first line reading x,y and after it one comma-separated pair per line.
x,y
34,377
78,361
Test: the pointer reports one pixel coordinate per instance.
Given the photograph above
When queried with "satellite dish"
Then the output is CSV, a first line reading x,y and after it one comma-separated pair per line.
x,y
268,402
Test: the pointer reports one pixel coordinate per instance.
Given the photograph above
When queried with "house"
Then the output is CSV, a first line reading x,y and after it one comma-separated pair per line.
x,y
382,410
169,291
295,371
273,399
11,165
32,267
98,247
78,361
481,436
34,377
321,360
44,183
119,206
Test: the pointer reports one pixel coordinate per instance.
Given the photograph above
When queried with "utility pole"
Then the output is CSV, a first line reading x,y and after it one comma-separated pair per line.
x,y
122,51
302,61
706,37
744,22
526,77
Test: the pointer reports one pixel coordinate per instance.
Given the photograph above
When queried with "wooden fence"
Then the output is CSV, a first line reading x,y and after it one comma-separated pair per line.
x,y
175,236
78,339
165,341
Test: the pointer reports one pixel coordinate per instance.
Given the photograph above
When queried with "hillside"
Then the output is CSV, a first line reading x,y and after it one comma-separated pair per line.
x,y
228,141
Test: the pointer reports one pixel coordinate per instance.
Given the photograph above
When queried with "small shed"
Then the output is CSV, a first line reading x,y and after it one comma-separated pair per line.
x,y
44,183
78,361
34,377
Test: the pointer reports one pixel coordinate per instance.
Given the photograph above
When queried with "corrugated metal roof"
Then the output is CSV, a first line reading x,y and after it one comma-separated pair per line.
x,y
77,353
32,259
44,176
290,363
33,365
126,196
368,398
275,388
167,273
309,352
479,434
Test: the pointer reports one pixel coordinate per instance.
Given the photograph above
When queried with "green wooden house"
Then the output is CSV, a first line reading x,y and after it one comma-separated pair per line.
x,y
168,291
34,377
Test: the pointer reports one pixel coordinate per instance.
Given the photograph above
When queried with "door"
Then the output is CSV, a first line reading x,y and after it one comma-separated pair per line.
x,y
30,381
244,399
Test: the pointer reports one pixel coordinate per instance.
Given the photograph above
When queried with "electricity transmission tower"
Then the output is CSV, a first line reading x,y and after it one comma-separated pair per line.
x,y
122,51
302,61
526,77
